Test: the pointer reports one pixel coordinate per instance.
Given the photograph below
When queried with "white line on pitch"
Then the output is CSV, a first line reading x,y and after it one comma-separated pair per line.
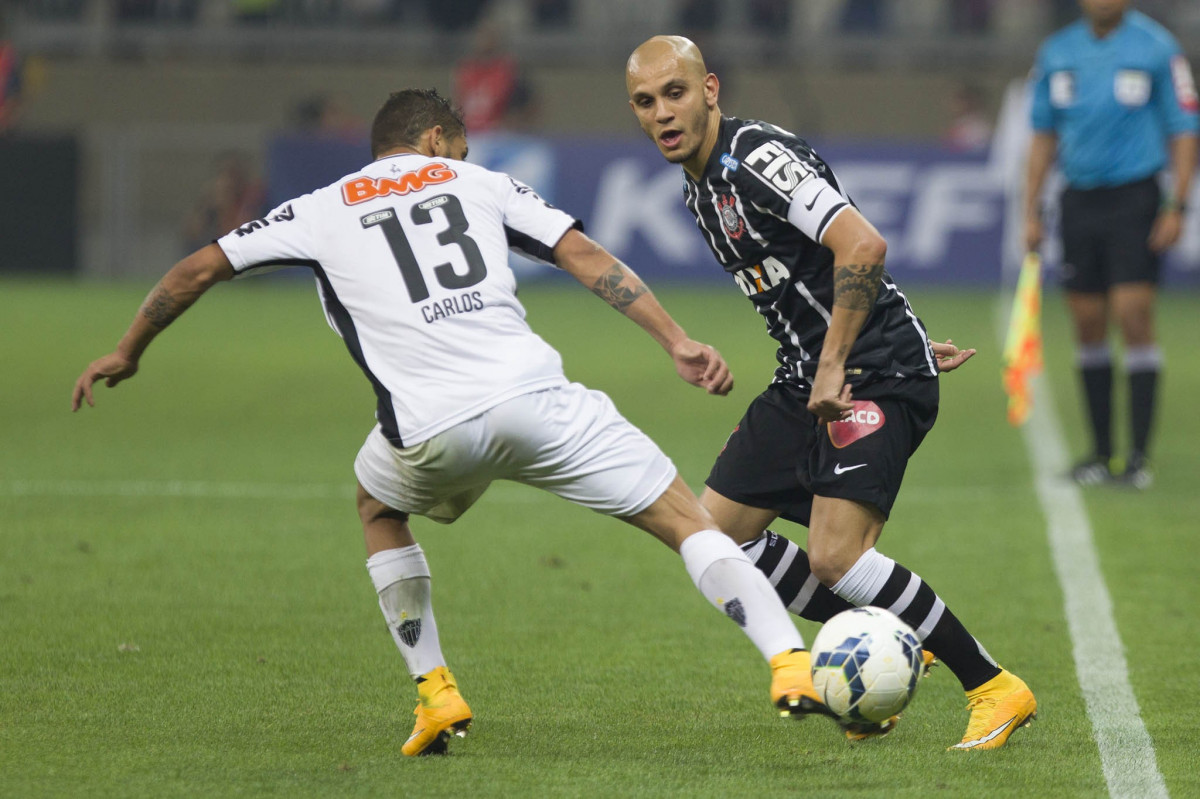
x,y
201,489
1126,751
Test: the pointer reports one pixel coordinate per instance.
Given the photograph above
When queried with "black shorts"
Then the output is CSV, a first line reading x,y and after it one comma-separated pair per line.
x,y
780,455
1105,233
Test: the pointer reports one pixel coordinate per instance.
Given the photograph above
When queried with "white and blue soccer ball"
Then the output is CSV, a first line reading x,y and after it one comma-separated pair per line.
x,y
866,663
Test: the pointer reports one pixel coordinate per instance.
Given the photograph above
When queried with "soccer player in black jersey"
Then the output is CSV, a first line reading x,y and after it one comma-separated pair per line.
x,y
856,389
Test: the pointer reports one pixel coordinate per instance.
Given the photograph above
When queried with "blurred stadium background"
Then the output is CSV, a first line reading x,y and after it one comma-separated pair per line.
x,y
144,127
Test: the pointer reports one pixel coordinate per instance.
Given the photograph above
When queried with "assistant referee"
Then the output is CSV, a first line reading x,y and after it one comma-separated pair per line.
x,y
1114,99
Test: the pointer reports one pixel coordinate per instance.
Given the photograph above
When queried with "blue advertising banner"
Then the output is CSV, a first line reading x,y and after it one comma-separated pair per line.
x,y
942,213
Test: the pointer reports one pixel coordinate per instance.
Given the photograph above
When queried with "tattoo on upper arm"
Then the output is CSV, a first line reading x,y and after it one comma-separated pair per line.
x,y
618,291
855,286
161,308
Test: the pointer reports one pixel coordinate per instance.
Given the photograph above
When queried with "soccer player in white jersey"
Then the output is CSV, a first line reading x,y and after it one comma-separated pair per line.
x,y
411,261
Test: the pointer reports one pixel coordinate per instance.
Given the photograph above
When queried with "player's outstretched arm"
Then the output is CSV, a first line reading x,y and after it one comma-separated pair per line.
x,y
617,284
174,294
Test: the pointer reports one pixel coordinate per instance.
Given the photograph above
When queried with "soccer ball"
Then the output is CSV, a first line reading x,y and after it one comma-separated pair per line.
x,y
866,663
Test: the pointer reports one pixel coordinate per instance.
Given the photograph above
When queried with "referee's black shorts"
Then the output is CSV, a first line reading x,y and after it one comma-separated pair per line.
x,y
780,455
1105,235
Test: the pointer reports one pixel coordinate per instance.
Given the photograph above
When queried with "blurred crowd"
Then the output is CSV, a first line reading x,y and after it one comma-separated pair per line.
x,y
767,16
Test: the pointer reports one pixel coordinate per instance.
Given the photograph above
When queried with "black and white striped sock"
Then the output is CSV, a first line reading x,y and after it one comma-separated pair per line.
x,y
786,566
878,580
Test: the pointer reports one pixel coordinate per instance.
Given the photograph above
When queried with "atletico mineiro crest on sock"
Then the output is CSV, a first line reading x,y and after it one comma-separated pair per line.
x,y
409,631
735,610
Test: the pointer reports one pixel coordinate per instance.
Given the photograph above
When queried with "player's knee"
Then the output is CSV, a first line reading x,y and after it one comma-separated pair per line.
x,y
371,510
829,564
826,569
1137,329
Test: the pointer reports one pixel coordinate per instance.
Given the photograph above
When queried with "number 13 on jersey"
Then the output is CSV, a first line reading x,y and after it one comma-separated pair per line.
x,y
456,234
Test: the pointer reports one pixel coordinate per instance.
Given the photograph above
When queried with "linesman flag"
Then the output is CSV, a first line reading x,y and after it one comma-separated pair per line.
x,y
1023,345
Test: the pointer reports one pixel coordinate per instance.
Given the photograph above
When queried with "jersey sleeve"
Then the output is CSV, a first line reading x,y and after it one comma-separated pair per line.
x,y
1174,93
1041,113
532,226
280,239
779,174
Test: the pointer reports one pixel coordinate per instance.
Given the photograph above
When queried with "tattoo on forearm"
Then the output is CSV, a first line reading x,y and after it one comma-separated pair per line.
x,y
855,286
161,308
618,292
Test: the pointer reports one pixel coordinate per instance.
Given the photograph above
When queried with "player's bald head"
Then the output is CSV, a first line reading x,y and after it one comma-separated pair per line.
x,y
660,53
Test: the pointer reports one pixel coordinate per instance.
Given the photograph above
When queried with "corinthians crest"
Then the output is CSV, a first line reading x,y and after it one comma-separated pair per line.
x,y
735,226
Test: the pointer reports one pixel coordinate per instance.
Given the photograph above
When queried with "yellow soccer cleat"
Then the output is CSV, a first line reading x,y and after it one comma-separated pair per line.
x,y
864,730
998,708
440,713
792,686
928,661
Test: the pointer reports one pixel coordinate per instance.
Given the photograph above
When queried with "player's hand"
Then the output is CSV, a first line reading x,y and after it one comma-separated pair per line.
x,y
1033,233
1167,228
701,365
949,357
830,400
112,368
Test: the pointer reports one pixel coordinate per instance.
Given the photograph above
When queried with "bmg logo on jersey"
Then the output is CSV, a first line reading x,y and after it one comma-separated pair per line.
x,y
362,189
761,277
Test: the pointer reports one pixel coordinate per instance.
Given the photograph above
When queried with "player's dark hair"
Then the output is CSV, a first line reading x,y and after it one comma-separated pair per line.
x,y
409,113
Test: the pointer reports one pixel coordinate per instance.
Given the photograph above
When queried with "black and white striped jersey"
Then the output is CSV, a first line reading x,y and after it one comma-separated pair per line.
x,y
763,203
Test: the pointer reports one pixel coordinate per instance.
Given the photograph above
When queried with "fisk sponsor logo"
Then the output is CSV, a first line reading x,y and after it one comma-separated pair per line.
x,y
360,190
779,166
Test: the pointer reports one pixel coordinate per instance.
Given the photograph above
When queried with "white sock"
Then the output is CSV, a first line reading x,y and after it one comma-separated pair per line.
x,y
401,578
866,578
729,580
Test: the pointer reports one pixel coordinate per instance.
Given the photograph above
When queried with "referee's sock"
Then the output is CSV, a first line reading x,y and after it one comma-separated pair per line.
x,y
1095,370
876,579
1143,364
786,566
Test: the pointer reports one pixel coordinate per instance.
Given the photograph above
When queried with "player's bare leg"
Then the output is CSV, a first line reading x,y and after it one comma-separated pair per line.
x,y
728,579
842,548
401,576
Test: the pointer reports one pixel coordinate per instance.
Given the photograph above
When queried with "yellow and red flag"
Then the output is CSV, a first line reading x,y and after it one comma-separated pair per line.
x,y
1023,345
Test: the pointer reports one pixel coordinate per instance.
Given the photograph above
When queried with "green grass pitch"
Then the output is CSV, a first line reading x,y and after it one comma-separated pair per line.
x,y
184,608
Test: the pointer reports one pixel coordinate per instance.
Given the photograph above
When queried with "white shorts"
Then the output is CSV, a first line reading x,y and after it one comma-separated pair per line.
x,y
568,440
